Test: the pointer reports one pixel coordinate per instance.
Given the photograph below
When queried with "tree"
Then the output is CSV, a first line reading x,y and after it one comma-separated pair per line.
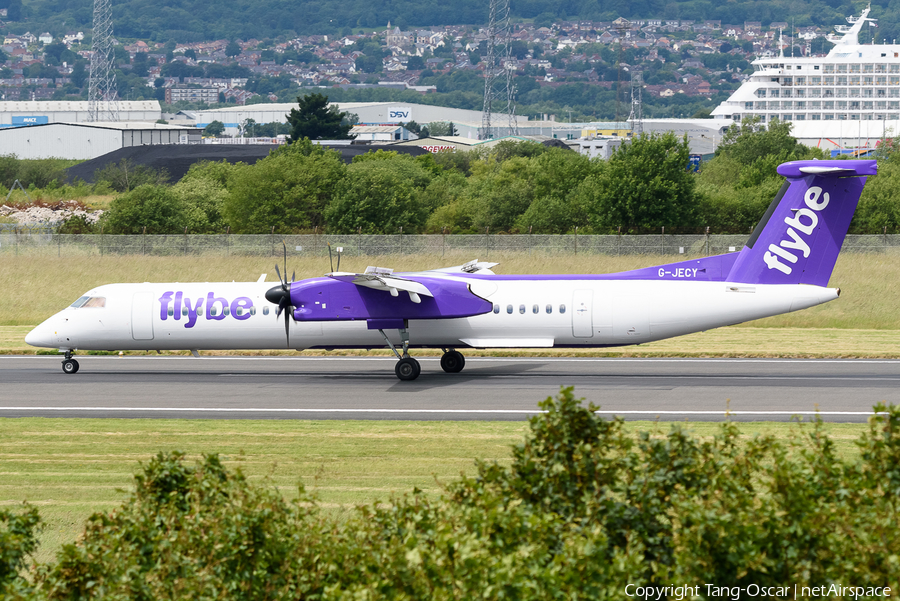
x,y
215,129
315,120
752,140
381,193
156,208
289,189
441,128
646,185
232,49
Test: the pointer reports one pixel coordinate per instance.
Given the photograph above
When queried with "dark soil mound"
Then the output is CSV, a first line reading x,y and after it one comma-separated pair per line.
x,y
176,159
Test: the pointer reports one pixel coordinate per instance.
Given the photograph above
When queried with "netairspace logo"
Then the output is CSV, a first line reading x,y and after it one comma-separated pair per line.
x,y
712,591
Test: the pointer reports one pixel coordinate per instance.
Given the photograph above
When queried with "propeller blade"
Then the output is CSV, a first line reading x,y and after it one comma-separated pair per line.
x,y
284,245
281,281
293,277
287,330
330,261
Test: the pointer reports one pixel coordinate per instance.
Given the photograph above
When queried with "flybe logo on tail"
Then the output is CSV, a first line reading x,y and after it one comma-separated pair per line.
x,y
784,254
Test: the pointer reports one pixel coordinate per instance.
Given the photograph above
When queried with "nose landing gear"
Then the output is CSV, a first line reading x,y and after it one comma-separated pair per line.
x,y
69,365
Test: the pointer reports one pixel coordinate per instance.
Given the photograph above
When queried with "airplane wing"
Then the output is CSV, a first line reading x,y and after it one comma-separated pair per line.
x,y
382,279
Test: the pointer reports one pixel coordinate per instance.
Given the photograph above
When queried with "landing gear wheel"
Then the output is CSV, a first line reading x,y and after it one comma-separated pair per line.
x,y
407,368
70,366
453,362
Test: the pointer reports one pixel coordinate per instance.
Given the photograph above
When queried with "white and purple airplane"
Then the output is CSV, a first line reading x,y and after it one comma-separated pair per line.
x,y
785,266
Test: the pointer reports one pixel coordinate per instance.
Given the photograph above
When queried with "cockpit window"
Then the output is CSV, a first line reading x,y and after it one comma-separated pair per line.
x,y
96,302
90,302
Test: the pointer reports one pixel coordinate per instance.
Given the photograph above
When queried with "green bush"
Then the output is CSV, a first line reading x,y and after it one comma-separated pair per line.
x,y
156,208
380,193
287,190
18,539
583,510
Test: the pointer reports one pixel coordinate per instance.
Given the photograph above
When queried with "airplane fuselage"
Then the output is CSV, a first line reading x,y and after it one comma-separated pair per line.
x,y
568,312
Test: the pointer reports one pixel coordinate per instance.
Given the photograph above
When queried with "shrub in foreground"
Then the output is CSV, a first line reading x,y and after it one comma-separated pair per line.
x,y
583,510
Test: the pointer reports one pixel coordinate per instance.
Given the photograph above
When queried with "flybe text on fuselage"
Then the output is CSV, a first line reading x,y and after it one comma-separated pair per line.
x,y
805,220
175,305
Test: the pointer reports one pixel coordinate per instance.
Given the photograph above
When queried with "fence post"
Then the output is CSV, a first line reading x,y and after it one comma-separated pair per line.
x,y
185,241
400,241
359,241
487,241
618,240
143,239
662,241
707,240
443,240
272,240
16,230
58,244
576,240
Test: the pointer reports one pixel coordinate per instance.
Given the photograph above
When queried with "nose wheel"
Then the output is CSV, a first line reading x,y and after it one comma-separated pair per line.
x,y
69,365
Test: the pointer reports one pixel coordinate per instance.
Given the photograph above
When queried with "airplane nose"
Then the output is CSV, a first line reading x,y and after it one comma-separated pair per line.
x,y
41,336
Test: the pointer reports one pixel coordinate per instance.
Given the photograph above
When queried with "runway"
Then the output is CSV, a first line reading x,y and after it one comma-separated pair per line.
x,y
318,388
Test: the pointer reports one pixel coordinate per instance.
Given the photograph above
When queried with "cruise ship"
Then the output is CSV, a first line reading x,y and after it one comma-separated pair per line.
x,y
849,98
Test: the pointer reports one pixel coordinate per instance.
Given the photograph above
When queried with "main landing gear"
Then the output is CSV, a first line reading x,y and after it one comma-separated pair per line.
x,y
69,365
407,368
452,361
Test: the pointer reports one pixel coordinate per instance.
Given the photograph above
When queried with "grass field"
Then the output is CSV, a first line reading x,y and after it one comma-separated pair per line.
x,y
70,468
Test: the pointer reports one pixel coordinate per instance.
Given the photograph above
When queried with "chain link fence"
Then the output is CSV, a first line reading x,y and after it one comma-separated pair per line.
x,y
485,246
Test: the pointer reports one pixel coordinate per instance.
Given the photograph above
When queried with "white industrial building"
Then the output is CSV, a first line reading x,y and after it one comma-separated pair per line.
x,y
39,112
84,141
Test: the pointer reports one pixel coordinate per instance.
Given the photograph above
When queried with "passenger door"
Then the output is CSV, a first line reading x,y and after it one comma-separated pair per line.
x,y
582,314
142,316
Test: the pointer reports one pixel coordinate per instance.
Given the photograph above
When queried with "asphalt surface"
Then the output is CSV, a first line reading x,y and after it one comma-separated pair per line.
x,y
488,389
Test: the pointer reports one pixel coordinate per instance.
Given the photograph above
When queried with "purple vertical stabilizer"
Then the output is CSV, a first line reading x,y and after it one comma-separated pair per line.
x,y
798,239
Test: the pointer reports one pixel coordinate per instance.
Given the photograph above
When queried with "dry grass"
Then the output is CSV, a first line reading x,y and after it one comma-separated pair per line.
x,y
33,288
71,468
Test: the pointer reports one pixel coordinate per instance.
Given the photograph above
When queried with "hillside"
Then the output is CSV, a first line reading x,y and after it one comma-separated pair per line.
x,y
196,20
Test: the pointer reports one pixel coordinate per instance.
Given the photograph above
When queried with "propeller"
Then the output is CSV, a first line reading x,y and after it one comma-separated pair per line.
x,y
281,295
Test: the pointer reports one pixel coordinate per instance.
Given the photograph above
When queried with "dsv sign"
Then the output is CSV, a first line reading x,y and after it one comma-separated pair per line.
x,y
399,113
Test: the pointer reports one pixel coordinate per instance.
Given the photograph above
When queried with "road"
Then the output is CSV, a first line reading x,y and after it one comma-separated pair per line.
x,y
489,388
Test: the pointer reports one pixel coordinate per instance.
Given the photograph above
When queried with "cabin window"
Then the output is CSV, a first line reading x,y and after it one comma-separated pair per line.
x,y
521,308
265,310
252,310
212,312
225,311
562,308
171,311
535,309
496,309
239,311
184,311
509,309
549,309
